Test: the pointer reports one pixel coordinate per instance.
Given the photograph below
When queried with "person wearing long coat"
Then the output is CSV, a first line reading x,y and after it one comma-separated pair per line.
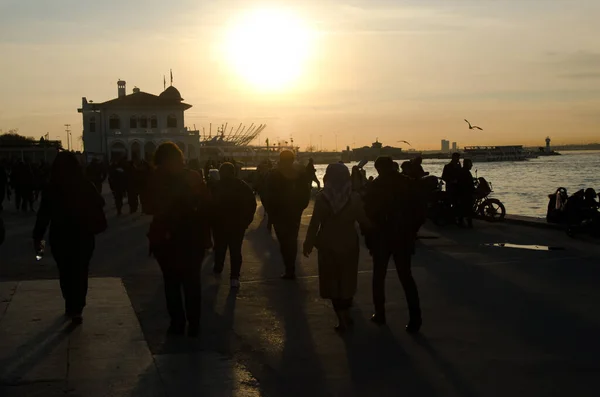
x,y
179,235
332,231
73,210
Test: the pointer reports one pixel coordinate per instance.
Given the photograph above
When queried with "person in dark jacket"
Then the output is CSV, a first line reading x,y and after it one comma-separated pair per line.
x,y
73,209
22,180
117,180
311,172
451,173
450,176
288,195
179,234
96,174
416,170
466,194
134,184
260,186
396,212
235,206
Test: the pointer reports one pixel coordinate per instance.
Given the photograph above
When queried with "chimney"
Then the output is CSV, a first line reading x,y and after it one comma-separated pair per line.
x,y
121,87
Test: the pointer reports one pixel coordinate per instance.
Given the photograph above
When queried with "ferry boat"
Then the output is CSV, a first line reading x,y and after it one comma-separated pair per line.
x,y
497,153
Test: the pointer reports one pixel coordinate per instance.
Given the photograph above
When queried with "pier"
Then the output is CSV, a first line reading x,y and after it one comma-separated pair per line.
x,y
497,321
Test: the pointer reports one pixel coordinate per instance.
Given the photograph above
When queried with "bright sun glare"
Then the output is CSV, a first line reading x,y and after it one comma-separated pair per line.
x,y
268,48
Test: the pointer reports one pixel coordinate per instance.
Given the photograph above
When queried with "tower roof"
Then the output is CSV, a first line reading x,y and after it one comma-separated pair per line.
x,y
171,93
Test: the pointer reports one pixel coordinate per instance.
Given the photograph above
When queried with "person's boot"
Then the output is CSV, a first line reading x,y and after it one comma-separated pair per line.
x,y
414,325
415,322
342,325
76,318
379,318
176,328
288,276
193,331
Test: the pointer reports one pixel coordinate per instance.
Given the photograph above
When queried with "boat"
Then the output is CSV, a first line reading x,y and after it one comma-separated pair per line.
x,y
497,153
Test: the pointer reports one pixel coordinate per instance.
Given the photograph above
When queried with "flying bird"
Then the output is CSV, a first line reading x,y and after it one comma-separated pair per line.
x,y
406,143
473,127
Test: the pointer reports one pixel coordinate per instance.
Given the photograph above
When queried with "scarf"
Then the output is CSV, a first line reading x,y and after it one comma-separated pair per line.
x,y
338,186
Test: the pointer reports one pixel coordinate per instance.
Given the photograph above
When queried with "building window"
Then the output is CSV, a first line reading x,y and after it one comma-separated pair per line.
x,y
93,124
153,122
133,122
114,123
143,122
171,121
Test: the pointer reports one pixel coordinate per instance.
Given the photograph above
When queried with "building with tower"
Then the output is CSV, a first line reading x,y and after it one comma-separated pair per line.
x,y
132,125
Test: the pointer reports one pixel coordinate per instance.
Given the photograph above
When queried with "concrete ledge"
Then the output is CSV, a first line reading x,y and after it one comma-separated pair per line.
x,y
531,222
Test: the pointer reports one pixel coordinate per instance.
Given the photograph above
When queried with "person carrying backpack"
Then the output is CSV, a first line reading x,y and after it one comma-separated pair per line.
x,y
73,210
287,196
396,210
179,234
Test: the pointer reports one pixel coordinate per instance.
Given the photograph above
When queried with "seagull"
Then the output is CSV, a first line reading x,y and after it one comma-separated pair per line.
x,y
406,143
474,127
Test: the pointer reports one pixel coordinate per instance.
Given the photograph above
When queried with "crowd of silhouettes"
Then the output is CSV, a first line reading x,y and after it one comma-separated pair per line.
x,y
193,211
22,180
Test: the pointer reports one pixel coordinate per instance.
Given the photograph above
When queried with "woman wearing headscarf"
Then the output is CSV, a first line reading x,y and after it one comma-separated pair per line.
x,y
332,231
73,209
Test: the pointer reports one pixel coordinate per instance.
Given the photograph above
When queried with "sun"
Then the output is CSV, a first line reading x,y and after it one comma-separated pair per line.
x,y
268,48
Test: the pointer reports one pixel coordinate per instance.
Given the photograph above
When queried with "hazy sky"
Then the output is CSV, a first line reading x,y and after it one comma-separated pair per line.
x,y
413,70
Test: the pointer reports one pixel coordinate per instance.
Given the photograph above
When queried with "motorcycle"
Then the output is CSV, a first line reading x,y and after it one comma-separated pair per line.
x,y
489,209
441,207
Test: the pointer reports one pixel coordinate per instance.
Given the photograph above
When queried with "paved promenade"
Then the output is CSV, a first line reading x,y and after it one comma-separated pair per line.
x,y
497,322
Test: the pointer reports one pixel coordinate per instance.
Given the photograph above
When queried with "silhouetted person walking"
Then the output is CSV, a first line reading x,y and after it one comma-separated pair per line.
x,y
260,186
332,231
288,194
451,175
396,212
22,180
117,180
235,205
466,194
179,234
311,172
134,182
73,209
96,174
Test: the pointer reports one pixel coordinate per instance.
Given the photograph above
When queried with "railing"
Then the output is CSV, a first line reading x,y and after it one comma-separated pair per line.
x,y
154,131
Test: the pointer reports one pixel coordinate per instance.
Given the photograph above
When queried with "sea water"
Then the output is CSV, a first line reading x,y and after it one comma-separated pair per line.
x,y
524,186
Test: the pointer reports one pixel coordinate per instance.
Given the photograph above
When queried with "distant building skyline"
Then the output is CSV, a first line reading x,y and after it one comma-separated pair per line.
x,y
445,145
